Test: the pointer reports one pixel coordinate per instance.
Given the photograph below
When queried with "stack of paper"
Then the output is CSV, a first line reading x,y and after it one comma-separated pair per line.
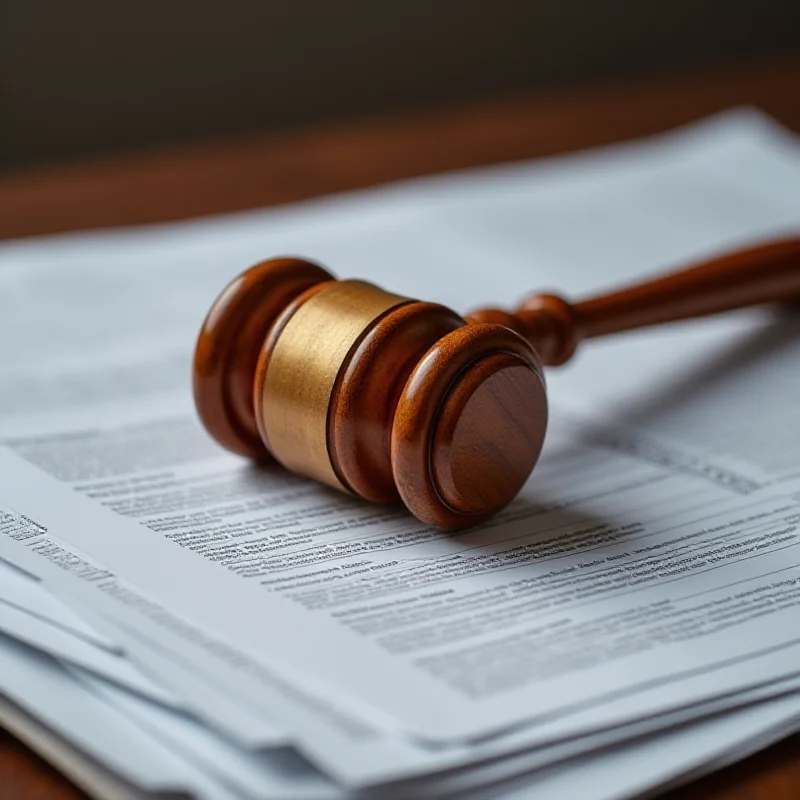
x,y
176,619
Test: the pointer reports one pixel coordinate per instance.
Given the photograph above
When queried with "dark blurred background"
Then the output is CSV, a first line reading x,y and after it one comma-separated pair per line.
x,y
82,78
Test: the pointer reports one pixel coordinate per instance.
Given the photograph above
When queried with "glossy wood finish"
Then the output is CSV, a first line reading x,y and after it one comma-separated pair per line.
x,y
453,449
489,434
768,272
229,344
433,407
446,431
547,322
365,397
260,171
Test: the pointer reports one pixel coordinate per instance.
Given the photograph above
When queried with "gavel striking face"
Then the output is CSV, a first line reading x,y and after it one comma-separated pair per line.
x,y
390,398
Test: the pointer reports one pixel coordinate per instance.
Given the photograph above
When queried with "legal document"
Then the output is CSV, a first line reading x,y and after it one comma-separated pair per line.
x,y
139,764
647,566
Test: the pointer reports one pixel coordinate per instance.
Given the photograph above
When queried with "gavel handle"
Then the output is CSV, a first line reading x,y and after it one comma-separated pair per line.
x,y
769,273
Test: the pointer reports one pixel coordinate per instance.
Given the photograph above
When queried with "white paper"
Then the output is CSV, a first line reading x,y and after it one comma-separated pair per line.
x,y
680,748
339,745
648,762
25,592
81,768
500,759
255,776
660,761
602,518
259,775
46,691
25,628
611,775
139,418
56,629
663,761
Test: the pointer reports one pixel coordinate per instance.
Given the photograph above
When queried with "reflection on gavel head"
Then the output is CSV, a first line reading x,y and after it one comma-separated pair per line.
x,y
391,398
375,394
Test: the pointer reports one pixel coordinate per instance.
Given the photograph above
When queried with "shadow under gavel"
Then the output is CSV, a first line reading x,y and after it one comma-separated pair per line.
x,y
390,398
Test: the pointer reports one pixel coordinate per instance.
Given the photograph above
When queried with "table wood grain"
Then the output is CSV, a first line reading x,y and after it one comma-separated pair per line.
x,y
217,177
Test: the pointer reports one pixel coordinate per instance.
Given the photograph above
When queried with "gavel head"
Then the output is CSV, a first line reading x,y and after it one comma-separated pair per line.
x,y
374,394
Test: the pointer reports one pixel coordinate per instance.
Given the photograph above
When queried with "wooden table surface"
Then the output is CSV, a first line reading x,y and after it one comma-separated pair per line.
x,y
258,171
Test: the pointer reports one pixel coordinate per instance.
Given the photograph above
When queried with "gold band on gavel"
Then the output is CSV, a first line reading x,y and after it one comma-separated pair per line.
x,y
303,367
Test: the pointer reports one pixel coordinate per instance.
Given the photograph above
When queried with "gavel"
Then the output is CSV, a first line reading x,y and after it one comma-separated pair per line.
x,y
393,399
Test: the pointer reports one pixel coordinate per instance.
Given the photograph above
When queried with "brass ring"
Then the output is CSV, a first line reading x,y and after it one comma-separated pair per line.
x,y
303,367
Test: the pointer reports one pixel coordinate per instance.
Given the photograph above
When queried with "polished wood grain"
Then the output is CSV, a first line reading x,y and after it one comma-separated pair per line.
x,y
436,405
229,345
765,273
247,173
489,433
454,450
366,395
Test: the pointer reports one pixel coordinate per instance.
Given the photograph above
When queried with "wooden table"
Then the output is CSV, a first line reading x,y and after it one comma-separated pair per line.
x,y
266,170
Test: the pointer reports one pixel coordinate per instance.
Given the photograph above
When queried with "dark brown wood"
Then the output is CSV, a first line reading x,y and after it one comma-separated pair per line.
x,y
547,322
25,776
489,434
363,406
436,396
773,774
765,273
401,423
381,439
229,344
248,173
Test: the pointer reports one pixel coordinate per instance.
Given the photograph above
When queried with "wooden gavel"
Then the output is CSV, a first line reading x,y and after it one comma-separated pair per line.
x,y
391,398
